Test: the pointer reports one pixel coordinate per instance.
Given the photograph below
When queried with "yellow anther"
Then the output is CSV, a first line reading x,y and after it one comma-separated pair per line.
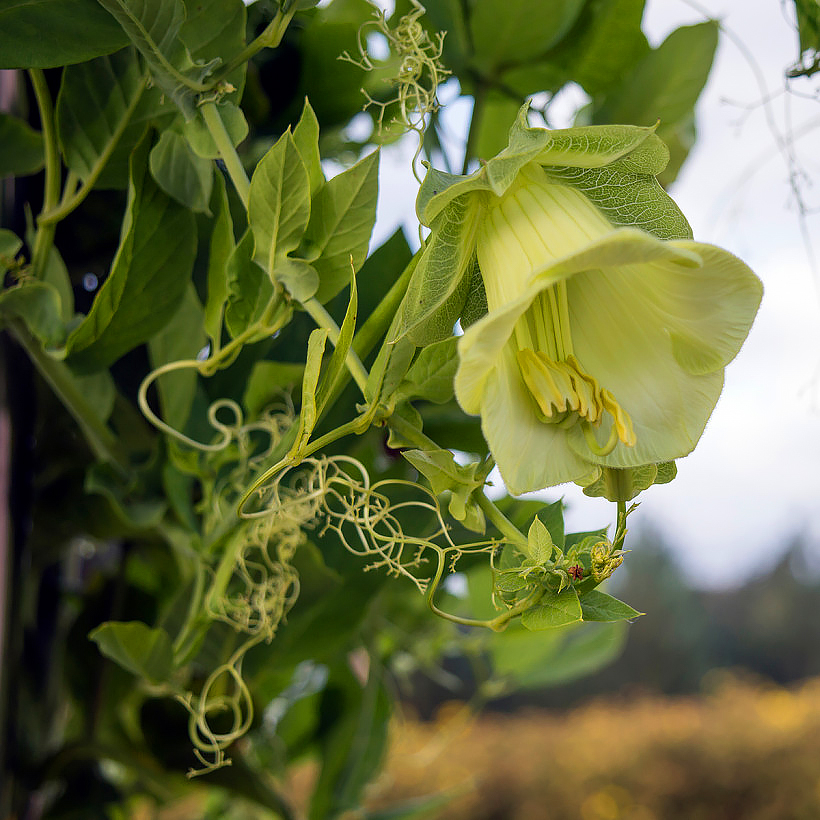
x,y
566,394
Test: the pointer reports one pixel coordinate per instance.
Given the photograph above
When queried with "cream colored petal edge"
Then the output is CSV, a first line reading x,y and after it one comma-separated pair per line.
x,y
530,455
710,310
621,338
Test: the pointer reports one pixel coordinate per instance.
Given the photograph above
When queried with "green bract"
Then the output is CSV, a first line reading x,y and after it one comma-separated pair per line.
x,y
607,327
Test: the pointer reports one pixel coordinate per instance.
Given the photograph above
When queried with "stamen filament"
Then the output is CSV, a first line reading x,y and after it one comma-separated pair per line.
x,y
556,324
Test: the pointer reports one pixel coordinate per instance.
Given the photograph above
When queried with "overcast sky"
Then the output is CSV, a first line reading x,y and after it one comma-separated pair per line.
x,y
752,483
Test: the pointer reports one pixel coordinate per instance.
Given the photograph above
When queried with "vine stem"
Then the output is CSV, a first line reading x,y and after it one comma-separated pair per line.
x,y
497,624
72,199
501,522
236,171
269,38
102,441
51,189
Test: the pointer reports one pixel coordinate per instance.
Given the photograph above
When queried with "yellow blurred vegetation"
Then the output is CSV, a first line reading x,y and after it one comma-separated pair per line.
x,y
743,750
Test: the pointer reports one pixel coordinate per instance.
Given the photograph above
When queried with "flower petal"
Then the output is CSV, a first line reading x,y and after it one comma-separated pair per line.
x,y
710,309
529,454
621,337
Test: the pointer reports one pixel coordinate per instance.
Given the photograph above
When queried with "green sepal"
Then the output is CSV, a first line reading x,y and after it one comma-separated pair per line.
x,y
590,146
623,485
438,288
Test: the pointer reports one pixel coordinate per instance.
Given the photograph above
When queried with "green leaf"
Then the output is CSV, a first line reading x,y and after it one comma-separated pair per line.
x,y
537,660
353,741
21,148
102,112
153,26
99,391
334,87
306,139
406,412
10,245
249,288
432,373
49,33
148,276
182,338
610,46
309,411
554,609
136,647
511,582
598,606
340,351
506,31
221,247
56,275
279,205
539,542
215,30
298,277
200,139
134,512
267,382
442,471
180,172
342,216
37,304
499,114
666,84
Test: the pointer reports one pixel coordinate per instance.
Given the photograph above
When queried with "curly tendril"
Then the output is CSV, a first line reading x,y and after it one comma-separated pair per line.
x,y
419,73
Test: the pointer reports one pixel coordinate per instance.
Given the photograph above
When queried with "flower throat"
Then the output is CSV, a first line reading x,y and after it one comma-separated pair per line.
x,y
563,391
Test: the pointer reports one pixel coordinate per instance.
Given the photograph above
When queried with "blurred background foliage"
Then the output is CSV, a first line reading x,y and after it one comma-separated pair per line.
x,y
81,738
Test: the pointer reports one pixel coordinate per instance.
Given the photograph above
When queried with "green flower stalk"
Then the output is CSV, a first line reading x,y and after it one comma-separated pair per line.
x,y
606,329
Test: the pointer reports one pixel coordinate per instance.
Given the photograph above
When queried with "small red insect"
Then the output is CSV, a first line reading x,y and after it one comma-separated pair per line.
x,y
576,572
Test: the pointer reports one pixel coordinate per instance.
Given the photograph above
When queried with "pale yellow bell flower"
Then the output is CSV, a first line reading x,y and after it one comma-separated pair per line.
x,y
602,346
